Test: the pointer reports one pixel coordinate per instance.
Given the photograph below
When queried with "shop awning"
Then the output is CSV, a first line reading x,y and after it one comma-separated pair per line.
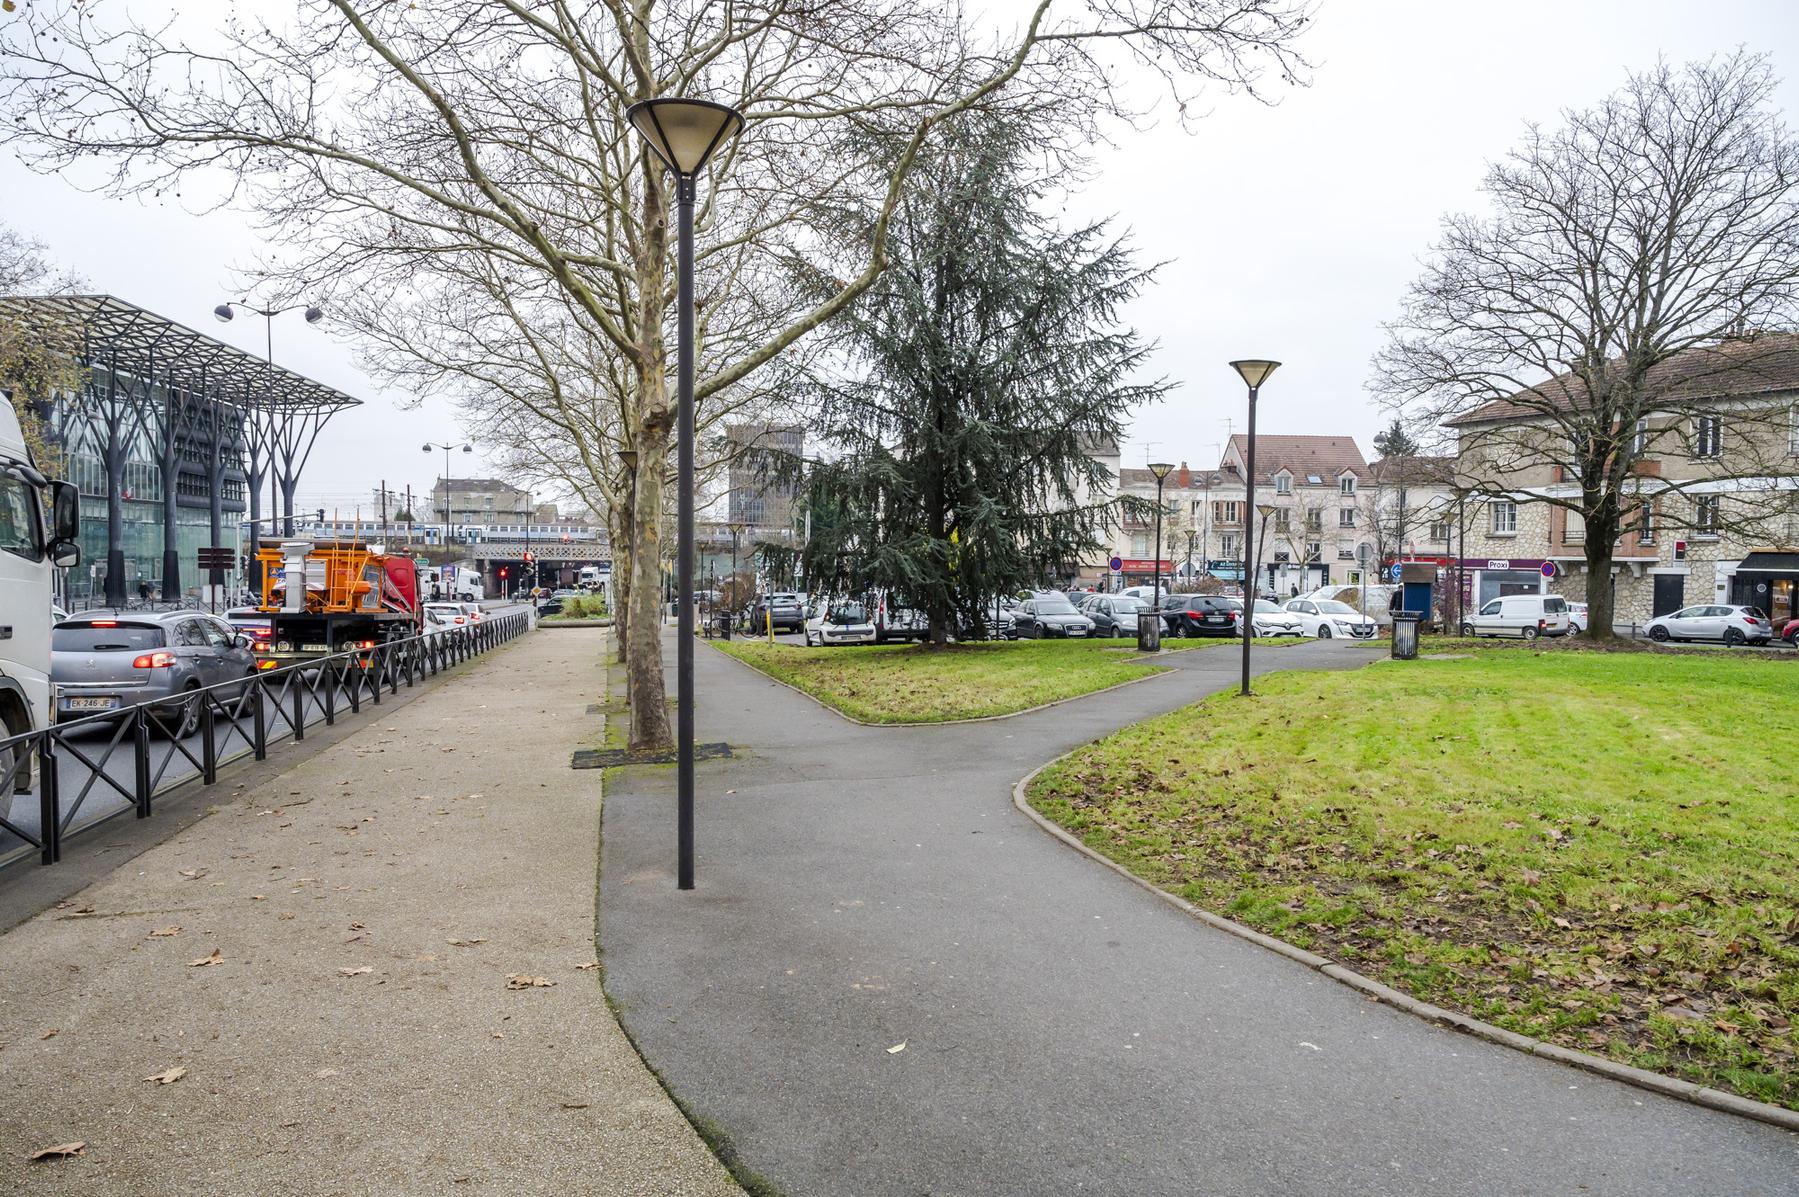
x,y
1770,563
1226,573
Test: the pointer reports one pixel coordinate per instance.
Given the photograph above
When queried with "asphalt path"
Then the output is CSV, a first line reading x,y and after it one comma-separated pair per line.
x,y
888,981
97,771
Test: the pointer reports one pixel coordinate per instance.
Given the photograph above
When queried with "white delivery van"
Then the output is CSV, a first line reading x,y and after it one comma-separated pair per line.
x,y
1524,615
30,554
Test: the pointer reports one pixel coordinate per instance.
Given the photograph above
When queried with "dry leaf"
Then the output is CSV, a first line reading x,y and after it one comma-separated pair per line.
x,y
215,958
325,1073
526,981
58,1152
357,927
355,972
588,967
50,1034
168,1076
163,932
464,943
897,1048
259,897
574,1105
193,874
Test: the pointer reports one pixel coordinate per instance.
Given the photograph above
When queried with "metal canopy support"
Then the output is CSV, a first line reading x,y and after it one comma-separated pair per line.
x,y
277,414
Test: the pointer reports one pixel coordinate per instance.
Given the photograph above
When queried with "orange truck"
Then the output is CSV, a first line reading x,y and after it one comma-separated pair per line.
x,y
335,596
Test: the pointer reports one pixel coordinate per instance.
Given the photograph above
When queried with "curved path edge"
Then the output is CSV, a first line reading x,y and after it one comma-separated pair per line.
x,y
1159,671
1655,1082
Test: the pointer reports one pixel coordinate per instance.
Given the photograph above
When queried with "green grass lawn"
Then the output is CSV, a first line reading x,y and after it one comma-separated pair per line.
x,y
1598,849
914,683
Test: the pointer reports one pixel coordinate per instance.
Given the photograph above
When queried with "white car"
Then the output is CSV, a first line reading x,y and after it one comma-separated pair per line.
x,y
1713,621
1577,618
1272,620
838,621
444,617
1327,619
472,610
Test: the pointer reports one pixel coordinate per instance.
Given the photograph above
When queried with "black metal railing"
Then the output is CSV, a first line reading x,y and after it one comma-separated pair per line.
x,y
75,775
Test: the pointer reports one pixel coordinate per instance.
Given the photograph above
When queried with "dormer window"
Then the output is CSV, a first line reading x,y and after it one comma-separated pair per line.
x,y
1347,484
1283,484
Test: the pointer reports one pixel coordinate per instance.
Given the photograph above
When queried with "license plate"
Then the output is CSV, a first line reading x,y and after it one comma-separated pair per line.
x,y
1077,631
92,704
315,648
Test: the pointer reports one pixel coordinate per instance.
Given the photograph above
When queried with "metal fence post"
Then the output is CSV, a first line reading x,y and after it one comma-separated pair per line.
x,y
209,745
299,704
356,688
333,675
259,723
49,813
140,742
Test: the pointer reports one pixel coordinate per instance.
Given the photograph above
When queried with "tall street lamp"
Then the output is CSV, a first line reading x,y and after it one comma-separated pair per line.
x,y
1254,372
449,495
1149,636
224,313
684,134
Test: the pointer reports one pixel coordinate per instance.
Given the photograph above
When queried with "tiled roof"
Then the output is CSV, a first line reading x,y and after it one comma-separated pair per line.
x,y
1302,456
1414,471
1759,364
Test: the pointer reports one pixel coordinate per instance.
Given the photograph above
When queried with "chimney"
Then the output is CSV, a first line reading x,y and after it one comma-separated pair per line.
x,y
1184,479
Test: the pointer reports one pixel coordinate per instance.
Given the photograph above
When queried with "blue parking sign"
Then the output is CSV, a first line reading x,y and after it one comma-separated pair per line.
x,y
1395,571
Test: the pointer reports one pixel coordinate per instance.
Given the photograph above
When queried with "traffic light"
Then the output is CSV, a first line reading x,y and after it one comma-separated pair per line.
x,y
502,573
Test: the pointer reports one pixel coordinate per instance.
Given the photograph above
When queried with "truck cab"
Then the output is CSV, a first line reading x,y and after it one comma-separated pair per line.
x,y
30,554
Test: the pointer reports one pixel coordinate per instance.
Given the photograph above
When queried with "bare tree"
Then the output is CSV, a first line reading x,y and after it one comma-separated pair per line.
x,y
1596,322
497,130
37,361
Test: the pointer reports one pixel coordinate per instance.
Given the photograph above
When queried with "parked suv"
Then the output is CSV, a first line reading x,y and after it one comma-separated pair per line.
x,y
785,608
1524,615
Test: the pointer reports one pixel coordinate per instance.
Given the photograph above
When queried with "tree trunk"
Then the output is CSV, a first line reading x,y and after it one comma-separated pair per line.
x,y
1599,581
619,529
643,648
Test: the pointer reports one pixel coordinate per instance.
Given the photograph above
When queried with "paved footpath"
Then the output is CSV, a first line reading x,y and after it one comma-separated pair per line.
x,y
356,1035
1065,1032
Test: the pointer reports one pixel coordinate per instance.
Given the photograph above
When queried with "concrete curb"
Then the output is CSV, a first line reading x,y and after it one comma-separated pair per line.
x,y
1655,1082
553,622
1162,671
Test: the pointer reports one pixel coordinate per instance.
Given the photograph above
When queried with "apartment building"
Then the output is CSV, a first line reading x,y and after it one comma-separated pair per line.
x,y
1714,479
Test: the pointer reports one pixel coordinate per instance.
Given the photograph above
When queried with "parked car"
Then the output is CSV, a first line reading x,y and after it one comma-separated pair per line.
x,y
785,608
472,610
1327,619
1524,615
838,621
894,619
1201,615
1051,618
106,661
1789,632
1271,619
1713,621
1115,614
1577,618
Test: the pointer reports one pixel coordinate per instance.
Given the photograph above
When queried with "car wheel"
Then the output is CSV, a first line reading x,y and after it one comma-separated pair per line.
x,y
1324,631
1733,636
1528,633
1659,633
1468,629
182,719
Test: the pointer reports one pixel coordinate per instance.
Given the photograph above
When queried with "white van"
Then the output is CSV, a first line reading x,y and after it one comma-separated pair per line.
x,y
1525,615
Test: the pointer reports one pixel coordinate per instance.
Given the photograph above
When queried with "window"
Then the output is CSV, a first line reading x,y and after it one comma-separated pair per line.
x,y
1227,544
1708,436
1139,544
1640,441
1344,554
1576,530
1226,513
1314,480
1439,530
1346,517
1346,484
1705,516
1283,483
1314,550
1505,517
1793,430
1283,519
19,530
1646,524
1491,608
1314,519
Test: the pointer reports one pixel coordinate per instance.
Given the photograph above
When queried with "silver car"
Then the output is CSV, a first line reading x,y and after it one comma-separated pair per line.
x,y
1713,621
107,662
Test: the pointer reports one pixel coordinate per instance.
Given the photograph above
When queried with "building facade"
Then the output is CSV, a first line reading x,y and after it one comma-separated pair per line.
x,y
757,499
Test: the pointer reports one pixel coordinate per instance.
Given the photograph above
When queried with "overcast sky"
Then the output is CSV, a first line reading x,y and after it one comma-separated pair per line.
x,y
1288,231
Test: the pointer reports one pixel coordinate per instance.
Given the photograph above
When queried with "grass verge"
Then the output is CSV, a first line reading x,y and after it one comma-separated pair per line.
x,y
1595,849
915,683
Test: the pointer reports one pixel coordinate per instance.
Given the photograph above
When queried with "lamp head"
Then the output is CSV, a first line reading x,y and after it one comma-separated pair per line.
x,y
468,448
427,448
223,313
1266,510
314,315
1255,371
1161,469
684,133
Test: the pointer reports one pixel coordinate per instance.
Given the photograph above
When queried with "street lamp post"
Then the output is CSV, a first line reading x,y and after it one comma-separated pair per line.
x,y
224,313
684,134
1149,636
1266,511
1254,372
449,495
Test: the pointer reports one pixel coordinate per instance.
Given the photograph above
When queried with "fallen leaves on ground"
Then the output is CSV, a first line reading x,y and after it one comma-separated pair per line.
x,y
51,1033
897,1048
464,943
193,874
355,972
164,932
202,962
588,967
527,981
61,1151
167,1076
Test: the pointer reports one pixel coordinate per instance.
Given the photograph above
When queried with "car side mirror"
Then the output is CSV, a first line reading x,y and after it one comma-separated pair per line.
x,y
240,641
65,554
65,510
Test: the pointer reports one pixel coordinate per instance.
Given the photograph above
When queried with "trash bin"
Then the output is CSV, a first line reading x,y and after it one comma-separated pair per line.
x,y
724,625
1405,634
1149,633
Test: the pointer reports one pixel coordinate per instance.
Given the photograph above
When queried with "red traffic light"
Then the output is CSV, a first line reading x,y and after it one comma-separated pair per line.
x,y
502,571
